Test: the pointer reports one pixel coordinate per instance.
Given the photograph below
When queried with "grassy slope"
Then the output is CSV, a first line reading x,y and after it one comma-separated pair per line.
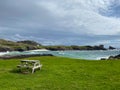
x,y
6,45
62,74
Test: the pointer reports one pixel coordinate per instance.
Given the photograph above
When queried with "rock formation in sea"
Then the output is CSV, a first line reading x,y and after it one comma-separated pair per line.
x,y
111,48
114,57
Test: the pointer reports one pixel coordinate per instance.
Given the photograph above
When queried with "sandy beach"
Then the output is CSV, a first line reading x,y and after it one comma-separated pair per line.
x,y
40,50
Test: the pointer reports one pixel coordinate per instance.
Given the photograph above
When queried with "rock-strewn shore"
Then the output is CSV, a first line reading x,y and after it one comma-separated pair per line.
x,y
112,58
23,56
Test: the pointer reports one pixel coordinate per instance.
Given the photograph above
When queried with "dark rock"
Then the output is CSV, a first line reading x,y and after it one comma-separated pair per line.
x,y
117,56
114,57
111,48
111,57
5,48
23,56
100,47
103,59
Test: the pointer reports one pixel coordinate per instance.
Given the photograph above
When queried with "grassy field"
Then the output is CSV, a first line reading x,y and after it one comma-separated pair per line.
x,y
62,74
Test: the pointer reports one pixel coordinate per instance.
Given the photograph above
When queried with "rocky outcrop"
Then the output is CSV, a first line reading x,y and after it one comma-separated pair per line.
x,y
6,45
23,56
5,48
75,47
111,48
29,42
114,57
100,47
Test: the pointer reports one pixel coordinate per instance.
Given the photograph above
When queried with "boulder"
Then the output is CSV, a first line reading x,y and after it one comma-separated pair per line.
x,y
114,57
111,48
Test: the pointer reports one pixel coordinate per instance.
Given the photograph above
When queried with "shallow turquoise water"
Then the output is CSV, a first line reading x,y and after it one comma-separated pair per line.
x,y
91,55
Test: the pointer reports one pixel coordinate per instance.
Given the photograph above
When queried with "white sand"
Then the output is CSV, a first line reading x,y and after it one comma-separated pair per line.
x,y
40,50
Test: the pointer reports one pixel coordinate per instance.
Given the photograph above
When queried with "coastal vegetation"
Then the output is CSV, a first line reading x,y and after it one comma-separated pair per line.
x,y
60,73
6,45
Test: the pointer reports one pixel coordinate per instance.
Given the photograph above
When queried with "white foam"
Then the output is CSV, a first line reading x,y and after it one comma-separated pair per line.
x,y
3,53
98,58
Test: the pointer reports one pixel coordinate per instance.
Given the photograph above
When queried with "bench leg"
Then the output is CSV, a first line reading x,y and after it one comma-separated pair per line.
x,y
40,68
33,70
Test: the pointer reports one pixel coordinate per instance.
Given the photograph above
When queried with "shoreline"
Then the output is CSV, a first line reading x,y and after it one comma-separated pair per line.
x,y
80,54
39,50
23,56
7,52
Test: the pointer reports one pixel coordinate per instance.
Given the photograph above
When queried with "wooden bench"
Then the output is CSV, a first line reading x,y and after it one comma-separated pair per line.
x,y
30,64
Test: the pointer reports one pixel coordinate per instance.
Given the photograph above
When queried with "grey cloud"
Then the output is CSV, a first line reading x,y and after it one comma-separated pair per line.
x,y
57,21
113,9
23,15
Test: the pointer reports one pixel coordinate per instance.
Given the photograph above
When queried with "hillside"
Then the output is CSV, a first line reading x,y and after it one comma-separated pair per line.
x,y
6,45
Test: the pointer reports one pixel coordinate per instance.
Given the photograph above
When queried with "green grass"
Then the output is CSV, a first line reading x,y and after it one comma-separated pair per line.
x,y
60,73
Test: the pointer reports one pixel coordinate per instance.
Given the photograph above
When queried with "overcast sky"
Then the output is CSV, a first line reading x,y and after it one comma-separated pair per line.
x,y
67,22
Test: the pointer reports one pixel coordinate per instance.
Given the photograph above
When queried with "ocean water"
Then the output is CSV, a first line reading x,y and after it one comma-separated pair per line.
x,y
89,55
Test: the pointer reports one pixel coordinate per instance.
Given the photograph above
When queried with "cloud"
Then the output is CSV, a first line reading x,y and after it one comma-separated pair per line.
x,y
60,21
79,15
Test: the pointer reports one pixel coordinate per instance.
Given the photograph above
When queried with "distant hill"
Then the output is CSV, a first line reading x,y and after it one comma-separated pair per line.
x,y
6,45
75,47
29,42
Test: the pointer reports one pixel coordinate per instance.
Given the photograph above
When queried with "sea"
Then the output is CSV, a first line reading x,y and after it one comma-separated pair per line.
x,y
87,54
